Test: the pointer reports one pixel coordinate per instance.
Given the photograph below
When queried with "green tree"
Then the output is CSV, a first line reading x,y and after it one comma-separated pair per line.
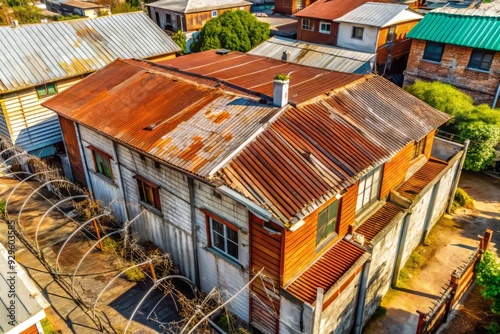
x,y
180,40
484,137
233,30
124,7
488,277
27,14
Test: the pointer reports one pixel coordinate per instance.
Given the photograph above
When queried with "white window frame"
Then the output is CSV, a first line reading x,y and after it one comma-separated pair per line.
x,y
309,27
321,30
226,240
214,13
372,182
362,33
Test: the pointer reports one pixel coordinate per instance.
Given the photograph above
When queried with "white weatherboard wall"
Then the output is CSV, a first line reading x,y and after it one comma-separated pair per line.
x,y
162,15
367,44
31,125
171,229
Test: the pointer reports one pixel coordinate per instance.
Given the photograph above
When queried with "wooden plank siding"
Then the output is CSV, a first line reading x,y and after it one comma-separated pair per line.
x,y
195,21
265,253
394,172
400,45
429,141
300,246
75,158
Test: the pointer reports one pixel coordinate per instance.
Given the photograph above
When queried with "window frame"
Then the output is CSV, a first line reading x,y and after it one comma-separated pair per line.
x,y
308,27
46,89
214,13
354,29
210,217
418,148
437,59
333,221
322,31
391,34
483,52
105,157
374,196
142,183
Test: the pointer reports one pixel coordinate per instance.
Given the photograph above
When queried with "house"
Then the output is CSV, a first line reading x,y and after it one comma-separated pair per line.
x,y
316,55
23,306
290,7
190,15
83,8
323,183
460,47
41,60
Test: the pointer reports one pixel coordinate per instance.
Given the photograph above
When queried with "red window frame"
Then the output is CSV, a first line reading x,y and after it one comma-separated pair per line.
x,y
208,215
141,180
104,155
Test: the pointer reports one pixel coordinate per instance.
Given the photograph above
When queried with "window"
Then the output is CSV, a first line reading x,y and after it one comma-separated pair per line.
x,y
481,59
419,148
307,25
168,19
149,192
214,13
369,187
327,222
46,90
357,32
223,236
102,164
390,34
433,51
324,27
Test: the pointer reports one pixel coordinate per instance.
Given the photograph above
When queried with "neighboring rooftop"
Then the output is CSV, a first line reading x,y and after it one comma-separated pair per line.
x,y
194,6
379,14
35,54
210,116
332,9
474,28
83,4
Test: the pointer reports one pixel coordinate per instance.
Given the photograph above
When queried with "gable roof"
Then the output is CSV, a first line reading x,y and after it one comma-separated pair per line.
x,y
474,28
35,54
316,55
194,6
379,14
206,119
331,9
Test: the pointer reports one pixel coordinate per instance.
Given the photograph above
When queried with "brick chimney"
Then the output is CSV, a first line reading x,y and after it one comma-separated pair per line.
x,y
280,93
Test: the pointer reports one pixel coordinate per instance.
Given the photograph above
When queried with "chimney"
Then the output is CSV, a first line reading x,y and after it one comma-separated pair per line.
x,y
15,23
285,56
280,93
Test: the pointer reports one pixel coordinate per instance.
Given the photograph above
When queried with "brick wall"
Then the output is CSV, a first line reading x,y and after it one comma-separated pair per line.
x,y
453,70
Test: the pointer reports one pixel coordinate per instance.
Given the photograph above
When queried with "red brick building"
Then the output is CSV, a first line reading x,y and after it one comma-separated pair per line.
x,y
459,47
290,7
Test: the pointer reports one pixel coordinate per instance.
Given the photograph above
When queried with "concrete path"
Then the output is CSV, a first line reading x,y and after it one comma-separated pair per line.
x,y
450,248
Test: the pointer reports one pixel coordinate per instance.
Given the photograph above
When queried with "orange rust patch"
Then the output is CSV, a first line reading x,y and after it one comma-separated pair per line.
x,y
228,137
219,117
190,152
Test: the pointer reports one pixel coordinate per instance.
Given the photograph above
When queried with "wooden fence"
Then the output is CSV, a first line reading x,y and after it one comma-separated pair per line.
x,y
460,281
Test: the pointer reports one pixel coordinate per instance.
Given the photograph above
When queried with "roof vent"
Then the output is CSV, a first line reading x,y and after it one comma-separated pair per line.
x,y
280,91
222,52
15,23
151,127
285,56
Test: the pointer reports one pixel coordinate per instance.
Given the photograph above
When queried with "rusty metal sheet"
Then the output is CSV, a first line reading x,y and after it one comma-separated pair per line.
x,y
325,272
380,219
332,9
415,184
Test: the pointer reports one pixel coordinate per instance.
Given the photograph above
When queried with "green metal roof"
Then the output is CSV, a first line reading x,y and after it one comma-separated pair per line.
x,y
472,28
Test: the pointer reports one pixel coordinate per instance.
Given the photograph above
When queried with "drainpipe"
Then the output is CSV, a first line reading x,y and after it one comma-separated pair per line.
x,y
457,178
120,179
82,153
316,325
194,236
401,248
360,307
496,97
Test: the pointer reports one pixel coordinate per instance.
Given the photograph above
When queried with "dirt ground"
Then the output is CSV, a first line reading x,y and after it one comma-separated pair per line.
x,y
450,244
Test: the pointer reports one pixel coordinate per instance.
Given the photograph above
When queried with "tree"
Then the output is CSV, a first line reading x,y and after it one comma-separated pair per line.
x,y
479,123
488,277
180,40
233,30
27,14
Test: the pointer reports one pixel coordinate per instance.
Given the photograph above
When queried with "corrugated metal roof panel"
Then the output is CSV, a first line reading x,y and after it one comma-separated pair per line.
x,y
332,9
373,14
380,219
316,55
34,54
194,6
415,184
325,272
474,28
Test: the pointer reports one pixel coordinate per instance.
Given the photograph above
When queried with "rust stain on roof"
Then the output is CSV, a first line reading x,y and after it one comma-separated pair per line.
x,y
218,117
428,172
325,272
380,219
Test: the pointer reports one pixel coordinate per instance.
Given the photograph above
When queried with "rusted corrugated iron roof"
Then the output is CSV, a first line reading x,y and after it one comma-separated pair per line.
x,y
192,127
319,149
415,184
325,272
257,73
380,219
196,6
34,54
332,9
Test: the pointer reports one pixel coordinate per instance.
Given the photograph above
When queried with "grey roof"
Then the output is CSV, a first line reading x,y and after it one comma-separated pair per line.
x,y
29,302
34,54
194,6
374,14
316,55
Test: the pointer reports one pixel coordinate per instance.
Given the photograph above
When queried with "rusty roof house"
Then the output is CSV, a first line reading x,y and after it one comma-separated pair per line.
x,y
312,179
39,60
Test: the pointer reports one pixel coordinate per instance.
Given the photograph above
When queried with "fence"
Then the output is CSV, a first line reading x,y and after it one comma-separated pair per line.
x,y
461,279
